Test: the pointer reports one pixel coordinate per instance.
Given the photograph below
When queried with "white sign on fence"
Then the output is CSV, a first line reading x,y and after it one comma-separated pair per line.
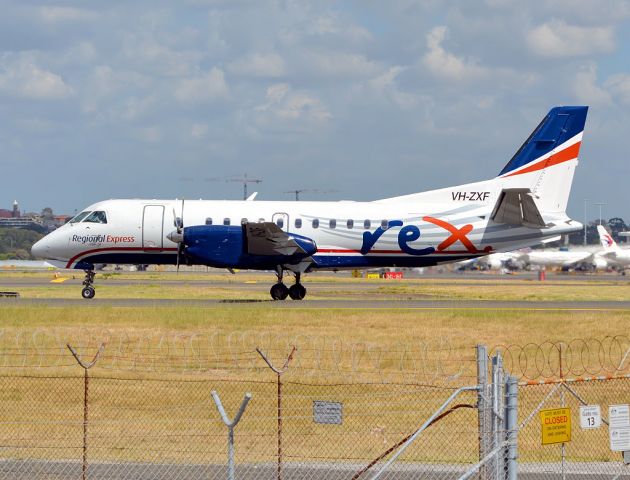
x,y
330,413
619,428
590,417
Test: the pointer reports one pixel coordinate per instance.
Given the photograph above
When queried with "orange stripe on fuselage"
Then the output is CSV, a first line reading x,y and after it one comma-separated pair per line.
x,y
565,155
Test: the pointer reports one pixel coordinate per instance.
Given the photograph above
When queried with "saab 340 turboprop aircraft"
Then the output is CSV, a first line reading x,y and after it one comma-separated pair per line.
x,y
524,205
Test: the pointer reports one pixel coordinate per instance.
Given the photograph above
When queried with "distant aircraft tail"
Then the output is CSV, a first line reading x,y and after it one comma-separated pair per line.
x,y
546,162
606,239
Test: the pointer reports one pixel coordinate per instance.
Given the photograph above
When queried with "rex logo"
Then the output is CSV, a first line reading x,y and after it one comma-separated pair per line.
x,y
411,233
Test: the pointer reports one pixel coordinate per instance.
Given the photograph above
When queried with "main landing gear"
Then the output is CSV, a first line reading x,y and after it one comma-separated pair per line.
x,y
280,291
88,290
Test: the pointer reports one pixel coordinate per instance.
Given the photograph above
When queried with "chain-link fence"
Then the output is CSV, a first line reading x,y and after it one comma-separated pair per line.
x,y
69,422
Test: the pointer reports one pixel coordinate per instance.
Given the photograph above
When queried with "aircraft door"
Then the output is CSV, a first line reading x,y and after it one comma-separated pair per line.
x,y
152,226
282,220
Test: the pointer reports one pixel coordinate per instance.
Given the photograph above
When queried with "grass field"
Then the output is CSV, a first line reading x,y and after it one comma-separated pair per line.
x,y
151,389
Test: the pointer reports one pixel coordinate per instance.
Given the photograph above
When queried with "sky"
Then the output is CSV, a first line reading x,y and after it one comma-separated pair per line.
x,y
354,100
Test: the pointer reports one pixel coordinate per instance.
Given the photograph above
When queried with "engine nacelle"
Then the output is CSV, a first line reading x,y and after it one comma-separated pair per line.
x,y
226,247
217,246
600,263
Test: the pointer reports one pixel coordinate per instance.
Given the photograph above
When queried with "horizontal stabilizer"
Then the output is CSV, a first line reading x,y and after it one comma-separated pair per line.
x,y
266,238
516,207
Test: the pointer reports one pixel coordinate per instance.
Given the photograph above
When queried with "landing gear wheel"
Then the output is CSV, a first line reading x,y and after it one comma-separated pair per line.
x,y
279,291
88,292
297,291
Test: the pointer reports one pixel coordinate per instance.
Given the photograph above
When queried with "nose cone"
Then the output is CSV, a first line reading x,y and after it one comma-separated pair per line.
x,y
41,248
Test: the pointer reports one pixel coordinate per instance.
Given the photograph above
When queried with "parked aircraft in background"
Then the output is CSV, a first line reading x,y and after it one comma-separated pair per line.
x,y
524,205
612,254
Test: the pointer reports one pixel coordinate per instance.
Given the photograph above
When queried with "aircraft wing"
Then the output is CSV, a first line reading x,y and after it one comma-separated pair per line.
x,y
266,238
516,206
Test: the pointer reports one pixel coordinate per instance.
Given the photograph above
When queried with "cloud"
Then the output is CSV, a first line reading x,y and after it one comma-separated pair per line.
x,y
199,130
557,39
386,86
340,64
259,65
154,56
56,14
444,64
586,90
203,88
619,86
290,109
23,78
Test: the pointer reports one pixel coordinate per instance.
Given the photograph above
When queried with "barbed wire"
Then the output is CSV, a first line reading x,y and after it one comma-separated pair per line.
x,y
234,353
417,359
578,357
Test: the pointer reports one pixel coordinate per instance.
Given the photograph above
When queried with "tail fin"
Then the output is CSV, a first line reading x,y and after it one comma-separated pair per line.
x,y
606,239
546,162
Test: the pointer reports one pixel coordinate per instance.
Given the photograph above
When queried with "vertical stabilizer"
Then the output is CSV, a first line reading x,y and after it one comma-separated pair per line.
x,y
606,239
546,162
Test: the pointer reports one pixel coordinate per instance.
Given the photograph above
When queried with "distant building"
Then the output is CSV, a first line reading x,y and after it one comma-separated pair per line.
x,y
13,213
27,223
60,220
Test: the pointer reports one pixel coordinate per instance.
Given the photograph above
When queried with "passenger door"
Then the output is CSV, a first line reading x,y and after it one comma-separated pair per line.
x,y
153,227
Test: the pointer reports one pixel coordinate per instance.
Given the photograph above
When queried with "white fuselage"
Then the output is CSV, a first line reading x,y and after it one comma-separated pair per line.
x,y
347,234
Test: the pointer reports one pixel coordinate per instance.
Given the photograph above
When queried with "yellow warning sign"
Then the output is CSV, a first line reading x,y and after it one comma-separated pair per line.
x,y
555,424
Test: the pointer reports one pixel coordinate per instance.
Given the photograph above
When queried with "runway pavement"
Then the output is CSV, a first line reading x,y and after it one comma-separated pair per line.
x,y
29,469
386,304
345,293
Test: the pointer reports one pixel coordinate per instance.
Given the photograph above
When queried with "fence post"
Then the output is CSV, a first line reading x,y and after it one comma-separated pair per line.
x,y
511,427
497,413
231,424
279,373
86,391
483,407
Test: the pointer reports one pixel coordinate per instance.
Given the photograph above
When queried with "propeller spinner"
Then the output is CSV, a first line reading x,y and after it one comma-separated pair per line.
x,y
178,235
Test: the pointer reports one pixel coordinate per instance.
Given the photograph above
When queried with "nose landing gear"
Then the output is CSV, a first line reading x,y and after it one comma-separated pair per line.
x,y
280,291
88,290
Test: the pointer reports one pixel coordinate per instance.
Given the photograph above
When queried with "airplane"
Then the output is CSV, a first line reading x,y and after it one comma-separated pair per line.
x,y
522,206
612,254
557,258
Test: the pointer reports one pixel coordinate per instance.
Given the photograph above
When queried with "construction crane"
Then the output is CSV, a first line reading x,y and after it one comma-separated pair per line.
x,y
236,178
309,190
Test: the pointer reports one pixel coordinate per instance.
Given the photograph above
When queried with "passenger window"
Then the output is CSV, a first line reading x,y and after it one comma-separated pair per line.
x,y
243,221
96,217
79,217
332,223
209,221
350,224
316,223
298,223
384,223
226,221
367,224
280,222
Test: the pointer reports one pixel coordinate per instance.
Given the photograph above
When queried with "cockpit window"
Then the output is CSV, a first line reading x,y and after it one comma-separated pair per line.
x,y
80,217
96,217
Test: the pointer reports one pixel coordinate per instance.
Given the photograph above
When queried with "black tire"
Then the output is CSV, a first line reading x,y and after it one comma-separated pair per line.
x,y
297,291
279,291
88,292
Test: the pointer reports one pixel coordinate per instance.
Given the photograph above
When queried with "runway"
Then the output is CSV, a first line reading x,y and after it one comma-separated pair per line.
x,y
332,291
